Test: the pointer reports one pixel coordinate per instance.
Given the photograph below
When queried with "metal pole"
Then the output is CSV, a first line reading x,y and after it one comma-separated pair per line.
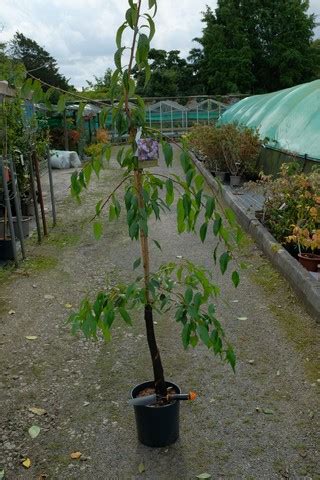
x,y
34,198
15,191
171,121
197,114
53,203
161,117
149,117
8,207
39,187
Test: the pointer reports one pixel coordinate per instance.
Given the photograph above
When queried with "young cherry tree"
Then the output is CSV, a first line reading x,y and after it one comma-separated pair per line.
x,y
187,290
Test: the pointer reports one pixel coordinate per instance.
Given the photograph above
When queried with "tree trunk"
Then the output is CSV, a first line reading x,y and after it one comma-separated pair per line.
x,y
159,382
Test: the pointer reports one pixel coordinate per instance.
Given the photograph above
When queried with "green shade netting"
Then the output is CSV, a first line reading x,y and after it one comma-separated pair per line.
x,y
289,118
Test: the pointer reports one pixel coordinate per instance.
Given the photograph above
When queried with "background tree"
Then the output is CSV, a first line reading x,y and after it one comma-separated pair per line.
x,y
100,87
257,46
280,34
226,66
38,61
171,75
10,70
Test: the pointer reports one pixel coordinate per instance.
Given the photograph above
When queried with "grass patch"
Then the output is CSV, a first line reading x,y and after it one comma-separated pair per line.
x,y
39,264
267,277
62,239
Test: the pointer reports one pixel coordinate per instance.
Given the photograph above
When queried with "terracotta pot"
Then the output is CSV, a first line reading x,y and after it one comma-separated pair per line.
x,y
310,261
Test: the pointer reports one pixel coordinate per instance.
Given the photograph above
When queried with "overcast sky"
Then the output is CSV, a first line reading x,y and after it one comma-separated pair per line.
x,y
80,34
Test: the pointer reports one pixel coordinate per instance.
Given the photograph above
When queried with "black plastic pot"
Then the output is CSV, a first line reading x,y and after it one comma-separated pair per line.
x,y
157,426
6,250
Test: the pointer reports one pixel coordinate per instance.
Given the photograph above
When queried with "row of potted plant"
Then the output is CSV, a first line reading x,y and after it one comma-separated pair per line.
x,y
227,150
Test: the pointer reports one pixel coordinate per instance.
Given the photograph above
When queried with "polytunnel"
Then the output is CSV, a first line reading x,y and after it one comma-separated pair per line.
x,y
289,119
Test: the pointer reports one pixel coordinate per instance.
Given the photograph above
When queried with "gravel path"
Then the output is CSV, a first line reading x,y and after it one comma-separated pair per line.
x,y
261,423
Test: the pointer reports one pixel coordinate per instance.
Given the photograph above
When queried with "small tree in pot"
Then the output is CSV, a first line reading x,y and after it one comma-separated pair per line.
x,y
184,288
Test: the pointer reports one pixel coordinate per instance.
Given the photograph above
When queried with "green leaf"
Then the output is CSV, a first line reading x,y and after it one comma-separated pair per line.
x,y
117,58
224,260
61,103
152,3
168,153
230,357
99,207
189,176
170,194
96,165
199,181
231,217
125,315
210,205
188,295
157,244
2,474
34,431
185,335
180,216
131,16
136,263
97,230
204,335
112,213
143,47
194,340
119,34
75,185
204,476
80,111
235,278
106,332
87,171
203,231
217,224
151,27
141,468
185,161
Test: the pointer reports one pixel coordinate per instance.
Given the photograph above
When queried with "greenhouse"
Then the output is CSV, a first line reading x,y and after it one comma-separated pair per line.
x,y
167,115
206,111
289,119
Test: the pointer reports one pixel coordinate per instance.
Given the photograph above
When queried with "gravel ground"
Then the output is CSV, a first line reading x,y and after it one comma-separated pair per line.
x,y
261,423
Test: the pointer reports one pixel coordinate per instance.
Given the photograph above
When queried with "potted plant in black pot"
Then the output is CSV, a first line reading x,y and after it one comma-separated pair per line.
x,y
240,147
184,289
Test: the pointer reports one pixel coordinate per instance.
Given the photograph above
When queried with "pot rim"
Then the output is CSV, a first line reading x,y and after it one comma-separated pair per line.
x,y
309,256
151,406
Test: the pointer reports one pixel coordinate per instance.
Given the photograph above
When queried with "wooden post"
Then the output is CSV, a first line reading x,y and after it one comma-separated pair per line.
x,y
16,194
34,198
40,196
9,213
53,203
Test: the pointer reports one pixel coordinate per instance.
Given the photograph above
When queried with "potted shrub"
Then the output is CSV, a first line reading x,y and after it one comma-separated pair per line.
x,y
205,141
182,288
240,147
293,210
309,241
